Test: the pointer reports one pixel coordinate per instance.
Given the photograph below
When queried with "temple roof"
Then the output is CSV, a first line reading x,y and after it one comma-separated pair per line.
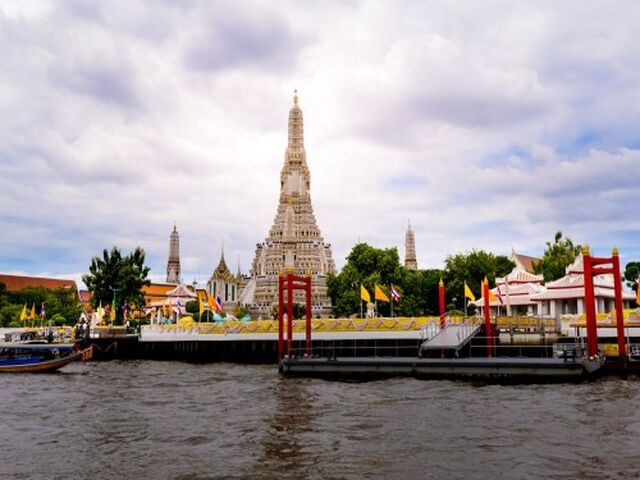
x,y
520,275
524,261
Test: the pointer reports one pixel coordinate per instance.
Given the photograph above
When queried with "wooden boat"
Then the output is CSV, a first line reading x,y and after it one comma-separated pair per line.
x,y
38,358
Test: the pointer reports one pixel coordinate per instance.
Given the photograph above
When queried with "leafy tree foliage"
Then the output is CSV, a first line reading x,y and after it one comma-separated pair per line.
x,y
63,303
631,274
370,266
558,255
124,275
472,267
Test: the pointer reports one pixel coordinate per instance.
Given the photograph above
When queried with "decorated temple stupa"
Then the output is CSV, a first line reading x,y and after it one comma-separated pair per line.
x,y
294,242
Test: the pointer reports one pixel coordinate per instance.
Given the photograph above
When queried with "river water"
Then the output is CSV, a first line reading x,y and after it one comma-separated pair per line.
x,y
181,421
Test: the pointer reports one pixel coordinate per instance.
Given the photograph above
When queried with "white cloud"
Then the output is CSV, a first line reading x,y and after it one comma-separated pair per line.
x,y
489,126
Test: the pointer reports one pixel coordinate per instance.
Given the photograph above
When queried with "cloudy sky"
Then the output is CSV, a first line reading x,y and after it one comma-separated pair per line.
x,y
487,124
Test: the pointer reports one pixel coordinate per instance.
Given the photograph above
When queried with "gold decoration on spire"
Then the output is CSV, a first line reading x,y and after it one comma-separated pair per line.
x,y
585,249
615,251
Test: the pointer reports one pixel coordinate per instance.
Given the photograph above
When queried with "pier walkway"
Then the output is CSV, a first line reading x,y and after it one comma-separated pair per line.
x,y
453,336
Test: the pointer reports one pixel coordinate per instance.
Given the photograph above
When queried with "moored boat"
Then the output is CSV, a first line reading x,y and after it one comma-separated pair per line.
x,y
38,358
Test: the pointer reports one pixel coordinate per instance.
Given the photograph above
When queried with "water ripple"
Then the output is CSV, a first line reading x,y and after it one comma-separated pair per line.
x,y
181,421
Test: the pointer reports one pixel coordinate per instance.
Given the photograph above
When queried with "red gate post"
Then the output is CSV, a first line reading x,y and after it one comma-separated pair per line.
x,y
589,304
487,315
307,284
622,346
289,313
280,317
441,301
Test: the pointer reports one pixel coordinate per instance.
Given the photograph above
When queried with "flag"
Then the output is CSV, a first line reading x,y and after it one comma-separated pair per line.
x,y
200,306
468,293
212,303
100,313
364,294
43,314
219,303
32,313
638,293
395,293
125,311
380,295
112,312
23,314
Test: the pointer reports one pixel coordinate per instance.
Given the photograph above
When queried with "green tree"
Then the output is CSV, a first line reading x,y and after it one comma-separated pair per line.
x,y
558,255
114,275
365,265
472,267
631,274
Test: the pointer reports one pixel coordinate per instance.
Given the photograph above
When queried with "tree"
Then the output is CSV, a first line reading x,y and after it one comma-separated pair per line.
x,y
368,266
472,268
115,276
557,257
631,274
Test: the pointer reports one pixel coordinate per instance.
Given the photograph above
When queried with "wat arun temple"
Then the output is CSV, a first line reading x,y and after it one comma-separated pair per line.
x,y
294,242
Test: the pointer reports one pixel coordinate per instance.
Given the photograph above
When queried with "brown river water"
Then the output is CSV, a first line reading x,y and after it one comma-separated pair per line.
x,y
175,420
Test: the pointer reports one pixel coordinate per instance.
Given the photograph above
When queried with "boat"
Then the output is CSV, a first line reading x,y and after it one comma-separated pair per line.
x,y
38,358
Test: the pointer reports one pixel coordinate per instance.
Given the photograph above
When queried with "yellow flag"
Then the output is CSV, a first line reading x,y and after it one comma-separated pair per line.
x,y
32,313
638,295
380,295
23,314
364,294
200,306
112,314
468,293
100,312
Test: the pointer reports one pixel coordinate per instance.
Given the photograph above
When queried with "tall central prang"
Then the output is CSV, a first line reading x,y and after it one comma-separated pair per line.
x,y
294,242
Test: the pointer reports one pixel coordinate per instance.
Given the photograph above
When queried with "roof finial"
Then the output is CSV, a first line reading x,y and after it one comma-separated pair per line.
x,y
295,96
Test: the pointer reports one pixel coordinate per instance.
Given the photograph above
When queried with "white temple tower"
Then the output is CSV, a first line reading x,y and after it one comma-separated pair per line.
x,y
173,265
294,242
410,261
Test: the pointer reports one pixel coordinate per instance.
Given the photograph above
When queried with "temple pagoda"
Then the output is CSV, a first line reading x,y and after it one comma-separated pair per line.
x,y
294,242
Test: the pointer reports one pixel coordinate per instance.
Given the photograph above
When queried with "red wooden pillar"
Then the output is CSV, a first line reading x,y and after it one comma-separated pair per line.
x,y
289,313
487,315
617,280
308,316
441,301
589,304
280,317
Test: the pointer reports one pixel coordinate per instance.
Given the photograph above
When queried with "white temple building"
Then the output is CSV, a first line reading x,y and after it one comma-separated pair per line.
x,y
522,293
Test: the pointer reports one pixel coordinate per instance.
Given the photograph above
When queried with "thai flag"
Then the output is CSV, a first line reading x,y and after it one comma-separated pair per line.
x,y
43,314
219,303
395,293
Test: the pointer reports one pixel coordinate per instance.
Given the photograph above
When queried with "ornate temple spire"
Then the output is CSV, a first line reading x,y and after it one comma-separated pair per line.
x,y
294,242
173,265
410,261
295,177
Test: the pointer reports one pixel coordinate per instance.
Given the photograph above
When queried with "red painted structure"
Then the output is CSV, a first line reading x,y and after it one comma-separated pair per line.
x,y
598,266
441,302
290,283
487,316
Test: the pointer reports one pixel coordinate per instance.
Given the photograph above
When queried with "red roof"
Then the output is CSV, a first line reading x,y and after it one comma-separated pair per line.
x,y
15,283
525,261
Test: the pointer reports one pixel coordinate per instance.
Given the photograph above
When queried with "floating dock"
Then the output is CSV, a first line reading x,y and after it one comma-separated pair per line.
x,y
493,369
